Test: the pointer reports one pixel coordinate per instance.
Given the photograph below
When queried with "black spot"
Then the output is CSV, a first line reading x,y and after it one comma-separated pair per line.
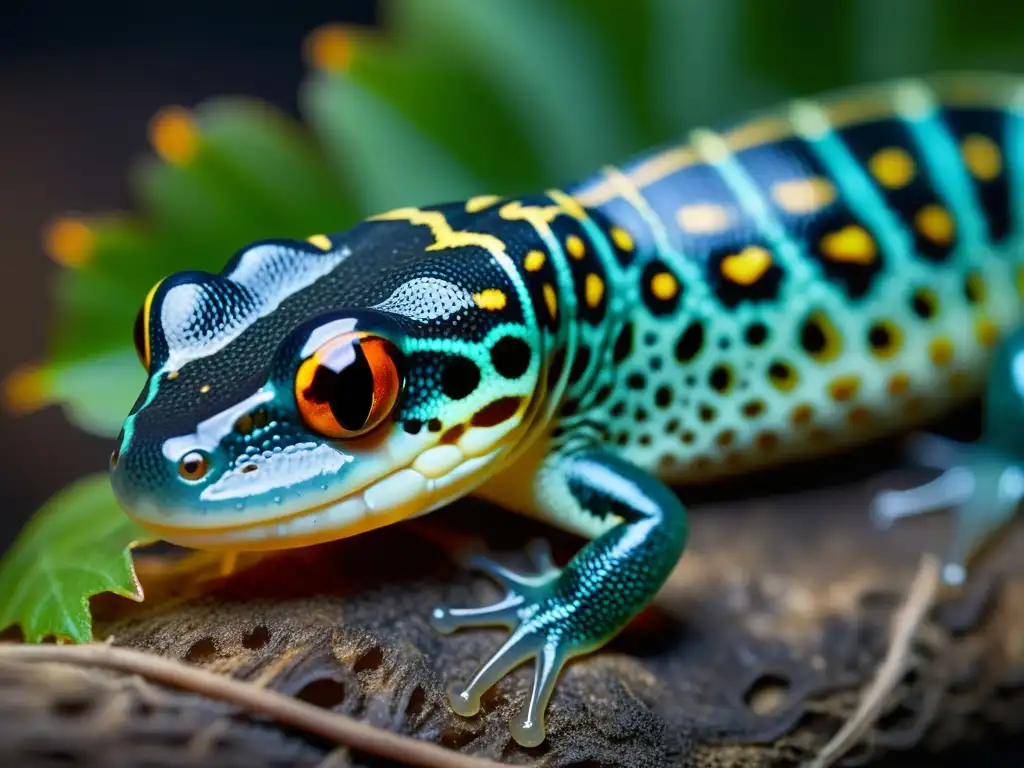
x,y
663,397
510,357
623,438
756,334
602,394
781,374
644,440
636,381
413,426
579,365
650,338
641,414
656,363
707,413
753,408
924,304
459,377
974,288
690,342
618,409
672,425
569,407
434,425
664,301
812,338
720,379
623,343
880,337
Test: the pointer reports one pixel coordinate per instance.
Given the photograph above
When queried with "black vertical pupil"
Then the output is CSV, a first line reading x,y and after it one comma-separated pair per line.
x,y
348,392
139,334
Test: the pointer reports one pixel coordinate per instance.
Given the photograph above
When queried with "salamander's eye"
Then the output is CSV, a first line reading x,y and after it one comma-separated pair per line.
x,y
349,385
141,347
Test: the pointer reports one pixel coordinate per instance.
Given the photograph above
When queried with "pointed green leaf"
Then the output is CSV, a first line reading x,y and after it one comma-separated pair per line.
x,y
78,545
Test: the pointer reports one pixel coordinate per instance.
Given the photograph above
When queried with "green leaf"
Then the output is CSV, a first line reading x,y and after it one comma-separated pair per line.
x,y
78,545
97,391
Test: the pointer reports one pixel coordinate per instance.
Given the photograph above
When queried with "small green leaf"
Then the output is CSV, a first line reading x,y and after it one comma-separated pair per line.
x,y
78,545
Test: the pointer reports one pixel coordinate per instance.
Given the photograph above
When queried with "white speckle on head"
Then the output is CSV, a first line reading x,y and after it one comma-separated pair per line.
x,y
293,465
427,298
265,276
211,431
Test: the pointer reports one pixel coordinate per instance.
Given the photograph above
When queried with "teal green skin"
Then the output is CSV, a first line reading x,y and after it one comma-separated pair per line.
x,y
797,283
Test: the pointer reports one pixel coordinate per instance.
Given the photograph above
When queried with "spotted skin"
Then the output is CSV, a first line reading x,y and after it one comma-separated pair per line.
x,y
793,284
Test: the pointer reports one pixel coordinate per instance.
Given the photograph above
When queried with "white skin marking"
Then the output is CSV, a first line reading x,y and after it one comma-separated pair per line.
x,y
211,431
269,274
427,298
292,466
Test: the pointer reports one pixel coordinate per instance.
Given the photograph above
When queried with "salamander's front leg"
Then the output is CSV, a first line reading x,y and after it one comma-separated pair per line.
x,y
556,615
983,482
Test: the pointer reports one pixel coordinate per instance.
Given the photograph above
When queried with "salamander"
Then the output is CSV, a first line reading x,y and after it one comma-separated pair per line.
x,y
797,282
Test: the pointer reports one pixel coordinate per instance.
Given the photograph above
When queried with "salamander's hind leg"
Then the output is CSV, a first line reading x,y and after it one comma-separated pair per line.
x,y
557,614
983,482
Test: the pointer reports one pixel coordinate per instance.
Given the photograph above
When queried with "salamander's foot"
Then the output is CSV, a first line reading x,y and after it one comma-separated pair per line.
x,y
983,487
532,608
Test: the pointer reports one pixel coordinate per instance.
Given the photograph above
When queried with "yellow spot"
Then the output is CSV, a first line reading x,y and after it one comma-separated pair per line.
x,y
320,241
899,383
664,286
534,261
986,332
478,203
491,299
804,195
26,389
172,375
892,167
940,350
204,389
174,135
843,388
329,48
69,242
858,416
802,414
622,239
982,157
594,290
747,266
575,247
934,222
550,298
703,219
851,244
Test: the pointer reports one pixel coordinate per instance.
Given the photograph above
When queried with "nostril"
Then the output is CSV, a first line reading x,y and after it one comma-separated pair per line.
x,y
193,465
249,468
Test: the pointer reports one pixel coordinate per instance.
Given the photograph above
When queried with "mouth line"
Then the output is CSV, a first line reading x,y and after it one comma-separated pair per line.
x,y
453,479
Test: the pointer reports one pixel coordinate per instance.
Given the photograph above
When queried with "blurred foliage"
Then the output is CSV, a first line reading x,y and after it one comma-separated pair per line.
x,y
455,98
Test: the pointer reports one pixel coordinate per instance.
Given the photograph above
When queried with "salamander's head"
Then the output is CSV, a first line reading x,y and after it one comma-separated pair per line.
x,y
314,390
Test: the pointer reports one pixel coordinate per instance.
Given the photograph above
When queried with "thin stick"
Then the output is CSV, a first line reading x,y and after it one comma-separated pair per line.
x,y
908,620
285,709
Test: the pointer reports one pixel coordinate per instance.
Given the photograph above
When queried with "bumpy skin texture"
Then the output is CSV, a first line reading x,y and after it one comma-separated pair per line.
x,y
796,283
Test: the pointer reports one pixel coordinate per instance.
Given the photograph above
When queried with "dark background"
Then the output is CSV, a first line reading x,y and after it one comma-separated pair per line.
x,y
78,83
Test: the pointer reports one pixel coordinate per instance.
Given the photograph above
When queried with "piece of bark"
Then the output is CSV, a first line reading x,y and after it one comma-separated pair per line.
x,y
754,654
